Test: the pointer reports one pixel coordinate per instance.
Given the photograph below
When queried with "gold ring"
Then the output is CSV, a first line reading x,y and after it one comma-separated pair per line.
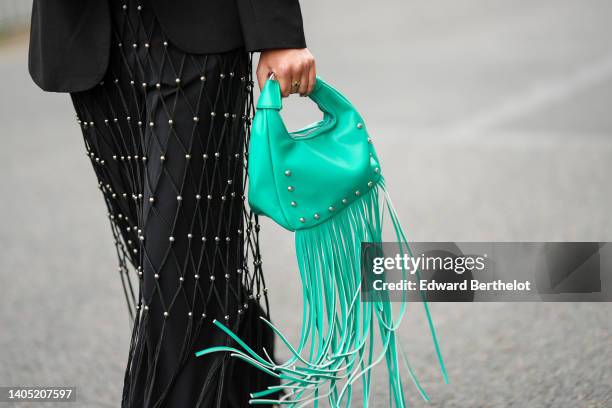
x,y
295,84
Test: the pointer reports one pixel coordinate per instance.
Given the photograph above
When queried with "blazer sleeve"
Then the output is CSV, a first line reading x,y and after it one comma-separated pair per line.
x,y
271,24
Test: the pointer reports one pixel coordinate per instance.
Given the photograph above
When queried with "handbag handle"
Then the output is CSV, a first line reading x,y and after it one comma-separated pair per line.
x,y
331,102
326,97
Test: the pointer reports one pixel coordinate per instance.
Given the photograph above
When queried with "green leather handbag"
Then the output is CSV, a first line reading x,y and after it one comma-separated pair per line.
x,y
301,179
325,183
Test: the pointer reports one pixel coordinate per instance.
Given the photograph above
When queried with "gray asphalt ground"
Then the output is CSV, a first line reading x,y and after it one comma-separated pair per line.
x,y
493,121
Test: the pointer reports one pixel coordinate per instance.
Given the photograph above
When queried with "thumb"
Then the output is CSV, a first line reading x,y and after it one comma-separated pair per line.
x,y
262,76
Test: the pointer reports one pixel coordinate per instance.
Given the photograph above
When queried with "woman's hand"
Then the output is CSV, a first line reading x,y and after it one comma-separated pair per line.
x,y
294,69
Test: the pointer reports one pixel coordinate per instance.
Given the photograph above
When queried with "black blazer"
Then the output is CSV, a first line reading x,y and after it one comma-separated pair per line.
x,y
70,39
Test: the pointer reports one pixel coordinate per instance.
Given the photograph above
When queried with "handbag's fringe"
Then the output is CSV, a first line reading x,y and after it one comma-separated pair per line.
x,y
336,347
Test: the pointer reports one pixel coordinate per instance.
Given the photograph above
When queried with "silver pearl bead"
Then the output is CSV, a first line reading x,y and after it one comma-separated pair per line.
x,y
344,201
290,188
357,193
293,204
331,209
302,219
171,239
287,173
370,184
317,216
359,125
165,314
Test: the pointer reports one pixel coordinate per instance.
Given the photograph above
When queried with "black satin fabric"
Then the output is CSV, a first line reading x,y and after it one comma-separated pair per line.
x,y
70,40
166,133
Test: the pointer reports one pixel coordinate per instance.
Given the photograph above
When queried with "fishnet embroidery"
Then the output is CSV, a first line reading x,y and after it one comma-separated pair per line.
x,y
167,133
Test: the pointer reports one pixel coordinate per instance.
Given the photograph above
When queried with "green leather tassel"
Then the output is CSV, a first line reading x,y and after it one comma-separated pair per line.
x,y
339,331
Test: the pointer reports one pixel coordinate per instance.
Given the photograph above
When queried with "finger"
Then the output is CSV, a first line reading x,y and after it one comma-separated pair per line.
x,y
262,77
295,84
312,77
304,78
283,75
285,86
295,78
